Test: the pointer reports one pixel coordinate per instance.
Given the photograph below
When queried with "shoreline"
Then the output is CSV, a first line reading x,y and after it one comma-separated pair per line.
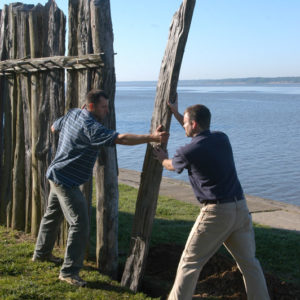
x,y
267,212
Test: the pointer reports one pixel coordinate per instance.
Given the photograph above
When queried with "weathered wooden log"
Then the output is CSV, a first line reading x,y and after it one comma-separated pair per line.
x,y
8,50
5,126
6,155
79,83
47,100
152,170
18,201
19,190
107,194
90,31
26,93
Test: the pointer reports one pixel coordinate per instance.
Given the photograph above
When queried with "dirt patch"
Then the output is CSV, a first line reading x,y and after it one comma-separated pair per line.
x,y
219,279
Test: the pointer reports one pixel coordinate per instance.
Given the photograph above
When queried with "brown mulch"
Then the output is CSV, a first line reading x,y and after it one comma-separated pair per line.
x,y
220,277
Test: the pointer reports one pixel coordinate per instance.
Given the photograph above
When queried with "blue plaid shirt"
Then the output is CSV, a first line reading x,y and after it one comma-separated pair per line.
x,y
80,138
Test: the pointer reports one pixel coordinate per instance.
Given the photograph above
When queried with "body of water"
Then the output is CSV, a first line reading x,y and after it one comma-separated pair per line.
x,y
262,122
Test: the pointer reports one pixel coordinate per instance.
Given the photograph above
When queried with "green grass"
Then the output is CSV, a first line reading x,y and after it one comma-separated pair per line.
x,y
20,278
277,250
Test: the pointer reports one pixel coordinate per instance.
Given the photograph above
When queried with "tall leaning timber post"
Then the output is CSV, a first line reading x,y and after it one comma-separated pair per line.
x,y
152,170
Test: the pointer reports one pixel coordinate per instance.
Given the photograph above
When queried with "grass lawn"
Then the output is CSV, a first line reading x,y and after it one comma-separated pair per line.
x,y
277,250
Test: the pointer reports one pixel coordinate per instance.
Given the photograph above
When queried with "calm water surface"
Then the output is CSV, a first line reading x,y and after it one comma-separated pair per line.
x,y
262,123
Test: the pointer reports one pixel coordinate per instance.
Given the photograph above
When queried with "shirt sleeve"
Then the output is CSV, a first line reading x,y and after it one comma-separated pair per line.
x,y
57,125
101,136
179,162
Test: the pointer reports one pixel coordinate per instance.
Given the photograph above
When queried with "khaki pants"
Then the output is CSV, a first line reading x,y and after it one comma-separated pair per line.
x,y
229,224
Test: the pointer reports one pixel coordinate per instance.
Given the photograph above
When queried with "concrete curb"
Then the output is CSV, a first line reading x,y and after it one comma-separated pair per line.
x,y
265,212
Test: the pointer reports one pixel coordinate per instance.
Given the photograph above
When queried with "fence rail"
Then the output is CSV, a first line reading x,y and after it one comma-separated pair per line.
x,y
27,66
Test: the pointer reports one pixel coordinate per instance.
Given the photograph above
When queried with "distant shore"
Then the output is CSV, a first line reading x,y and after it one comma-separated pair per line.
x,y
235,81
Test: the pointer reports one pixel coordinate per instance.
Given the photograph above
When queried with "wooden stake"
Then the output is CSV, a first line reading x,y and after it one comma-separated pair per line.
x,y
152,170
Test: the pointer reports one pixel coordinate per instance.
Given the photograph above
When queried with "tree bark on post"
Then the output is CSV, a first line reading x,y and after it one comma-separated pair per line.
x,y
79,82
6,123
46,32
8,51
152,170
90,31
18,203
107,194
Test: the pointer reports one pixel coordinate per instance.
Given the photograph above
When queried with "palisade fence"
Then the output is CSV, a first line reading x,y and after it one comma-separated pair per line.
x,y
34,74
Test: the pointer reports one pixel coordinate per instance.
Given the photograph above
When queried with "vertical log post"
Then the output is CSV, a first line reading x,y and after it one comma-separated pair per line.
x,y
18,203
46,32
107,194
90,31
152,170
79,82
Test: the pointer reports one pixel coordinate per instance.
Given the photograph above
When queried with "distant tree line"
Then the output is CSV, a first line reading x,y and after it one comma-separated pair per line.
x,y
243,81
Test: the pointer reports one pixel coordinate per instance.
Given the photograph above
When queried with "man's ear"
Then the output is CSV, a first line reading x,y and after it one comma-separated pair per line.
x,y
194,124
91,106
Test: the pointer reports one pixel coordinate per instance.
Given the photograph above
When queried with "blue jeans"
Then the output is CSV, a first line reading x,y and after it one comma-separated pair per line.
x,y
71,203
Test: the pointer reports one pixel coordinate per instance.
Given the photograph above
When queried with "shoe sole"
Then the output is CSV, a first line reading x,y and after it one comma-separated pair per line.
x,y
83,284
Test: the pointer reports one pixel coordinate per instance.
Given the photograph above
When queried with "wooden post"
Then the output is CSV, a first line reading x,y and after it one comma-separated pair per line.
x,y
6,164
90,31
107,194
18,203
152,170
46,31
19,195
79,83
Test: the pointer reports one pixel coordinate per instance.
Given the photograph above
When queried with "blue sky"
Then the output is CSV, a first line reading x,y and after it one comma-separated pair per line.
x,y
228,38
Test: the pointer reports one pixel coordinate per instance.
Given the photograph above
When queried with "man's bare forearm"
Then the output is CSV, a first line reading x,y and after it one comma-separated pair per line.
x,y
134,139
179,117
167,164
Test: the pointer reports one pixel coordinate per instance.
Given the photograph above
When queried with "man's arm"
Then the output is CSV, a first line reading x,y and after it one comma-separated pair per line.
x,y
174,109
135,139
56,126
162,157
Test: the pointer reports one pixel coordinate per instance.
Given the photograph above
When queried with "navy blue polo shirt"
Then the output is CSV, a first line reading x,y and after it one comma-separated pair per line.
x,y
80,139
211,168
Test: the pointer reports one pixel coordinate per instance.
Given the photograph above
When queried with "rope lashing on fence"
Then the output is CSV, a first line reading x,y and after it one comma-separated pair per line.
x,y
90,61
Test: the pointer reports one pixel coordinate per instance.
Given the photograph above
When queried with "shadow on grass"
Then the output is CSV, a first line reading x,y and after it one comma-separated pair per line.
x,y
98,285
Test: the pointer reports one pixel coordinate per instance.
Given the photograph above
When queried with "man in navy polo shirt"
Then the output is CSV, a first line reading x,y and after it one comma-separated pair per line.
x,y
81,135
224,217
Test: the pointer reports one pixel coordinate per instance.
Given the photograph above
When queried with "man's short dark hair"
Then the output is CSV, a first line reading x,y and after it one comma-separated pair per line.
x,y
94,96
201,114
